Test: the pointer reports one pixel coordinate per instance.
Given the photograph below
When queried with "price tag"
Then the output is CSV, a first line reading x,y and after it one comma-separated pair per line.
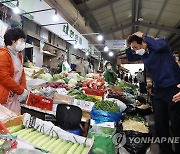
x,y
84,105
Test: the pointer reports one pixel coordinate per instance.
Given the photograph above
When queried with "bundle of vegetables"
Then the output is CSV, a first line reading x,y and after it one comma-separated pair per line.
x,y
118,95
96,84
81,96
127,86
48,77
55,85
74,92
106,105
135,123
56,77
43,141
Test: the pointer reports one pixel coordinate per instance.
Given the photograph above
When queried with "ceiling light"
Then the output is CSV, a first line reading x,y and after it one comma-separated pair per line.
x,y
106,48
140,19
75,46
87,53
111,54
16,10
100,37
55,17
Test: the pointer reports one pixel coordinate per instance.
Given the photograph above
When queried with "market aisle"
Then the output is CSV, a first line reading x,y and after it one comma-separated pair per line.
x,y
154,147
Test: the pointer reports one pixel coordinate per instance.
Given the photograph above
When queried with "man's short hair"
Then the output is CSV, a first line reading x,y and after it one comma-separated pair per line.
x,y
13,35
133,38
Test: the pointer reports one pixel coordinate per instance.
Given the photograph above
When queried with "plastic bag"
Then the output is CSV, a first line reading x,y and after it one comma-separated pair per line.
x,y
136,148
144,112
131,144
103,142
130,110
101,116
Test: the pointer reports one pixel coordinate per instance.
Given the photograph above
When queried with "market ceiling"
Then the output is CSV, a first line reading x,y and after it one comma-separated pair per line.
x,y
116,19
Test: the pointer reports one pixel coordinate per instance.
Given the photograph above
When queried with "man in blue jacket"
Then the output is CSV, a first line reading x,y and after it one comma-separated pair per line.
x,y
165,72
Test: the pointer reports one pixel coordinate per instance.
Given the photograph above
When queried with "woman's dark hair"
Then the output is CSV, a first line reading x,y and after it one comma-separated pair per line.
x,y
107,63
133,38
13,35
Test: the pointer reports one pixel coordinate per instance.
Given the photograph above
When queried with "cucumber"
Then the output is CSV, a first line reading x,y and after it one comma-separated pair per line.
x,y
14,129
65,148
73,148
36,135
25,132
26,137
79,149
48,138
85,150
53,145
59,147
47,144
18,132
38,139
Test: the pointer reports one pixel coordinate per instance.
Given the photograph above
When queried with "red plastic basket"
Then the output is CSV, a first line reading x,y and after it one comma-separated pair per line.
x,y
98,92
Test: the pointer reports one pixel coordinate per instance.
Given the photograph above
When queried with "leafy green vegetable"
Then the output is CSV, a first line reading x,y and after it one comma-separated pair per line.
x,y
106,105
74,92
56,77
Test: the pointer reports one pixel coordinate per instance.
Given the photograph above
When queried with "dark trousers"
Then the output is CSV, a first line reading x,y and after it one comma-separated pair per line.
x,y
142,88
166,110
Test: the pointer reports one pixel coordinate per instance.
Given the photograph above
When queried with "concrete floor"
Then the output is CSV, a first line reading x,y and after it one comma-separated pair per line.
x,y
154,147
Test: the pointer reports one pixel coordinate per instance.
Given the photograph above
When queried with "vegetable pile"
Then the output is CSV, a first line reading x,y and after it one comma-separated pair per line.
x,y
96,84
43,141
118,95
55,85
106,105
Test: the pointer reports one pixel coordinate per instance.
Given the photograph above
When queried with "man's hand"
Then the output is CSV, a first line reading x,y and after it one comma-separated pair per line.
x,y
139,34
176,98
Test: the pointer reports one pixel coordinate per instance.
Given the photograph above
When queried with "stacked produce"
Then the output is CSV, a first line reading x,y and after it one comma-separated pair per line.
x,y
55,85
127,87
81,96
43,141
106,105
135,123
118,95
96,84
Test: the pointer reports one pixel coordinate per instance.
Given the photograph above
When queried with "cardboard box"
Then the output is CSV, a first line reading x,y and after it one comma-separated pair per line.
x,y
40,102
115,88
63,99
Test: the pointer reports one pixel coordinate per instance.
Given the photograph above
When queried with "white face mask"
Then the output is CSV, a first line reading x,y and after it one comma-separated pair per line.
x,y
20,46
140,52
109,67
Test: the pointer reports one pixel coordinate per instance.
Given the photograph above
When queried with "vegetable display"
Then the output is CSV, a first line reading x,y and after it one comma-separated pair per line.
x,y
118,95
55,85
106,105
54,145
96,84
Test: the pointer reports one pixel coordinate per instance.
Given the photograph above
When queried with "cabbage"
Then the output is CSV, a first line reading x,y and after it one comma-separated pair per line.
x,y
61,81
72,82
56,77
47,77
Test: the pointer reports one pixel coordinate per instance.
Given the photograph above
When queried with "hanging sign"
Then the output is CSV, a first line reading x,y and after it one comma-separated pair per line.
x,y
116,44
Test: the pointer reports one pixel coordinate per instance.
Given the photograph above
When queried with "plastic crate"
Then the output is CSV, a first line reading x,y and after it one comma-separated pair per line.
x,y
97,92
